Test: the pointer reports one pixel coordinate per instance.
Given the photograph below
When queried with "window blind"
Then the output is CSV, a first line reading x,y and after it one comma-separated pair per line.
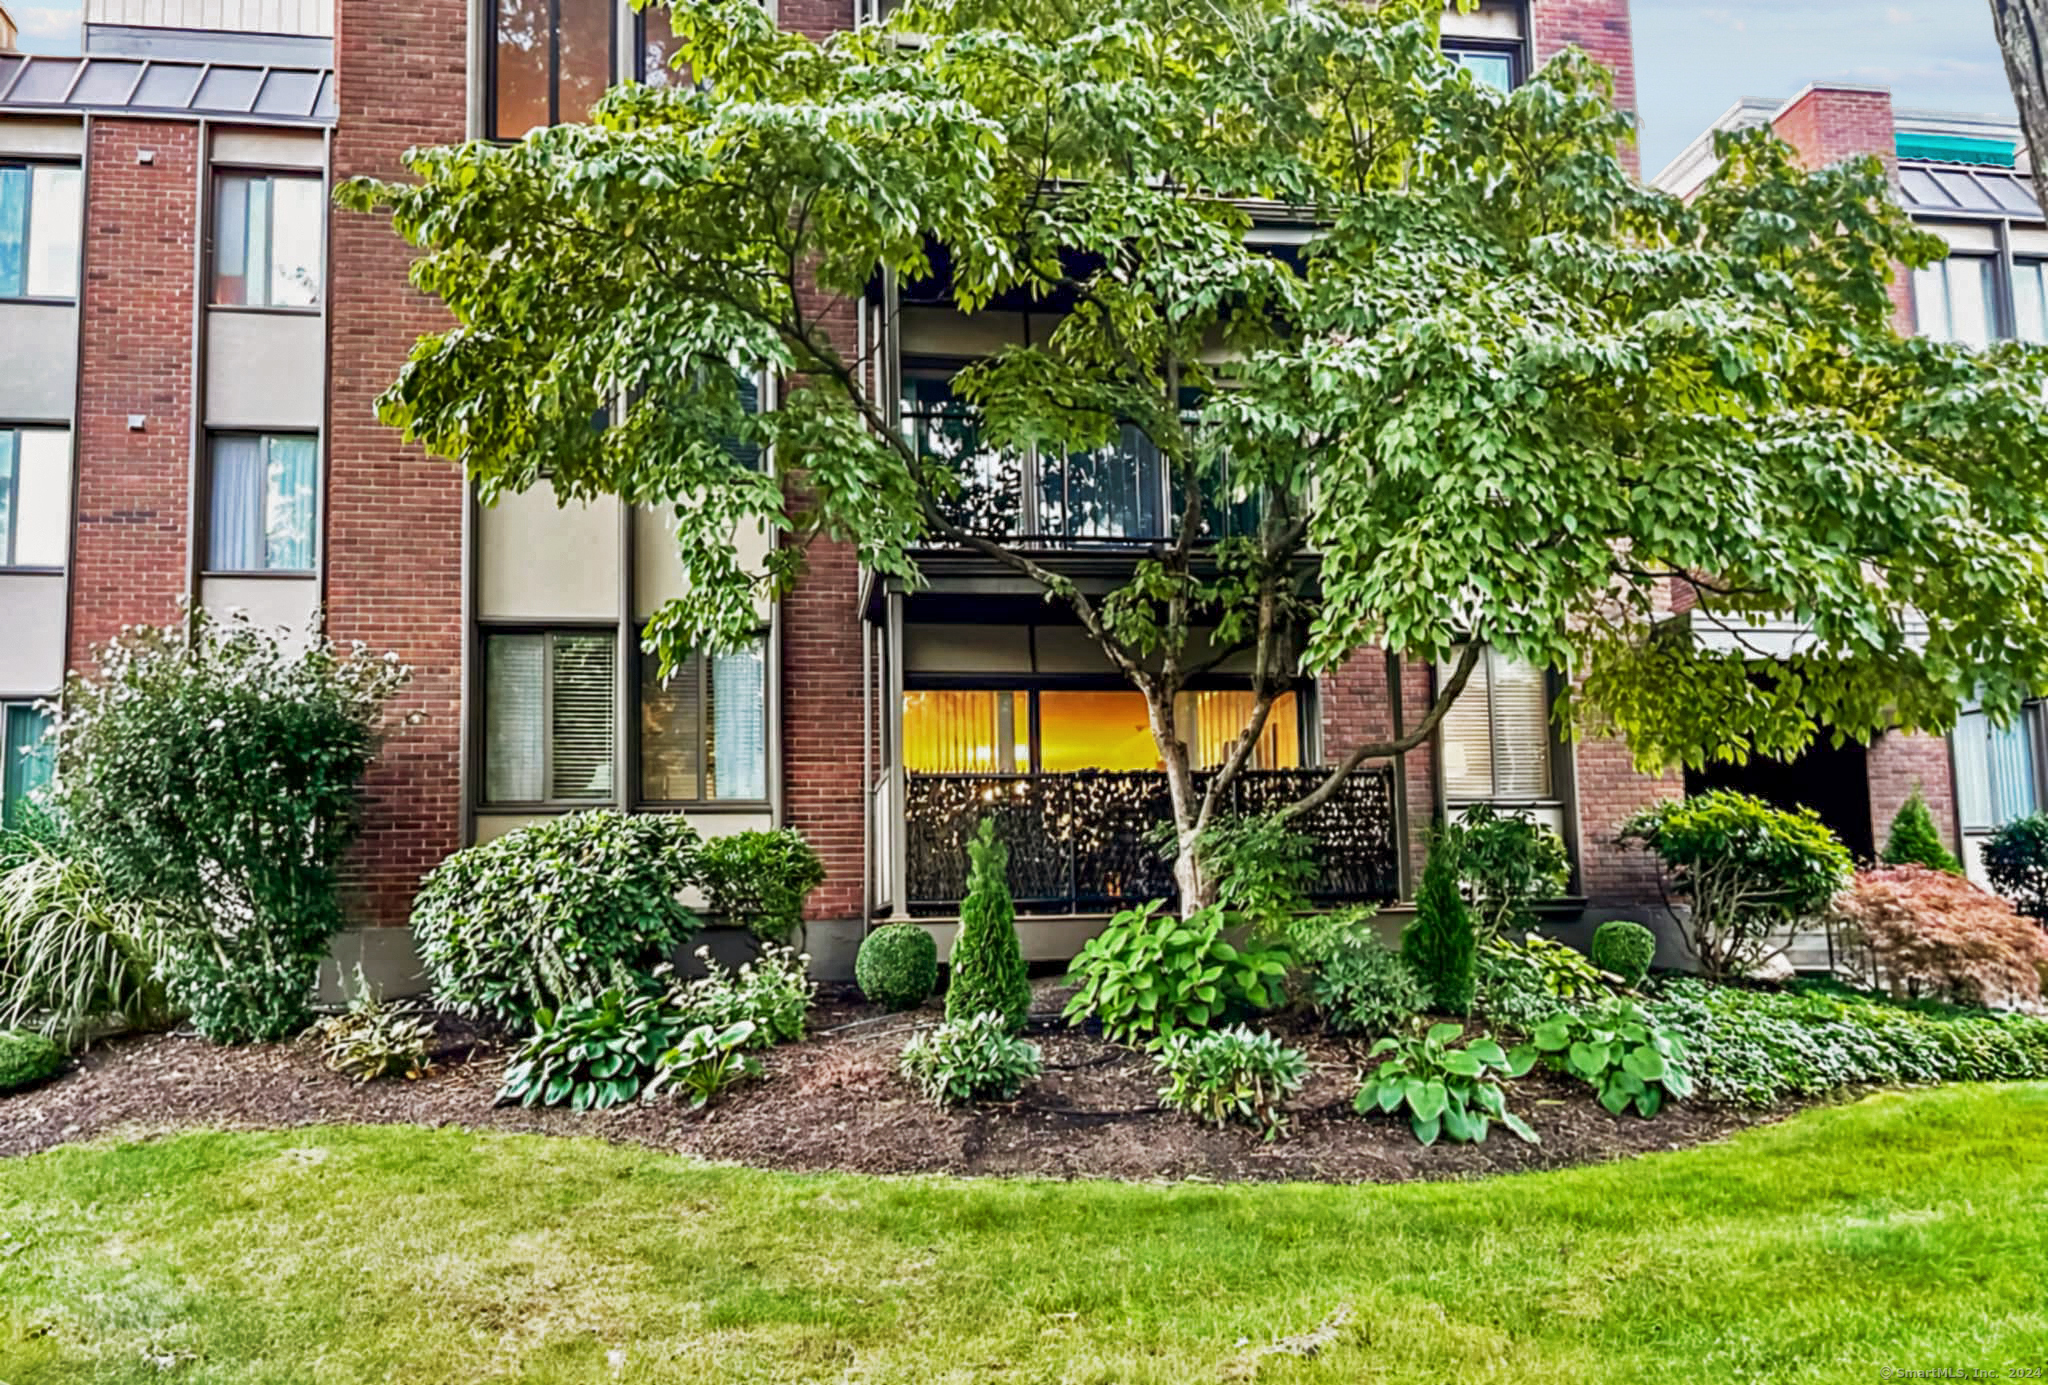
x,y
671,738
583,717
736,761
515,671
42,497
1496,737
1465,736
28,760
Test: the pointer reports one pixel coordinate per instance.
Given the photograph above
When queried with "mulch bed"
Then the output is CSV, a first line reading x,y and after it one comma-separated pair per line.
x,y
834,1102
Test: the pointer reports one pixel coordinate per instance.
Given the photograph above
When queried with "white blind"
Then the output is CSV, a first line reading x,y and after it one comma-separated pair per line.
x,y
42,497
1496,737
1466,736
583,728
514,668
737,758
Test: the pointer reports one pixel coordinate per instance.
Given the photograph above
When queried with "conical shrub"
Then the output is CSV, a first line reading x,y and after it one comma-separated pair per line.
x,y
988,965
1441,944
1915,841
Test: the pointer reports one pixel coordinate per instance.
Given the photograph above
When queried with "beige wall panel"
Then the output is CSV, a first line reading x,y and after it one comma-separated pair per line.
x,y
38,361
944,332
286,603
491,826
264,370
269,149
657,573
540,561
1976,239
967,648
46,138
2026,241
305,17
1494,19
31,633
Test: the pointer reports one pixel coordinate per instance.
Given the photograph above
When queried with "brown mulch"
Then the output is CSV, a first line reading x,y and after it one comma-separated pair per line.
x,y
834,1102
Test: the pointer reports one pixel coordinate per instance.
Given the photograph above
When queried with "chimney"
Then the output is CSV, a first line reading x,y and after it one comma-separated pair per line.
x,y
9,35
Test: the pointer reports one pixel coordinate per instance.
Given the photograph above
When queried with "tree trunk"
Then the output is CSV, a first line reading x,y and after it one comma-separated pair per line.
x,y
2022,27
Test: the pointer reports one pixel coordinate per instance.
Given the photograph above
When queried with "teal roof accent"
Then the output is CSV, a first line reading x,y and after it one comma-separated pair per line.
x,y
1955,149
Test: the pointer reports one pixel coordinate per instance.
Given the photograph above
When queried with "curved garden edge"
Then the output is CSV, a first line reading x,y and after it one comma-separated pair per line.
x,y
835,1103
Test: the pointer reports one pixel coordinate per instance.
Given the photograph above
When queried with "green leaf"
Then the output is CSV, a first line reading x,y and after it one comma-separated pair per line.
x,y
1429,1103
1426,1130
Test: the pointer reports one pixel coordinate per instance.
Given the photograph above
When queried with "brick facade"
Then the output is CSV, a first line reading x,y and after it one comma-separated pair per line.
x,y
1601,29
1897,764
1827,124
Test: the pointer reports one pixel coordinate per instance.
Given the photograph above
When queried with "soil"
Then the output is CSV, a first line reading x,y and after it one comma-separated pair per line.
x,y
834,1102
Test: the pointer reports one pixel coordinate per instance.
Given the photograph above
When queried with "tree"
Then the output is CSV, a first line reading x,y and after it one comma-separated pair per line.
x,y
987,966
1441,943
1914,841
1495,392
2022,29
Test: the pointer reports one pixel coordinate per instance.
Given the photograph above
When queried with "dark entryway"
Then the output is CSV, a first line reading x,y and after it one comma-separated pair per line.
x,y
1833,781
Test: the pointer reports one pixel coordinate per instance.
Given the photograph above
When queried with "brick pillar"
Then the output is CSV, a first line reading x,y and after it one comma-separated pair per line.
x,y
135,357
1601,29
394,515
1898,763
1609,788
1355,707
1827,124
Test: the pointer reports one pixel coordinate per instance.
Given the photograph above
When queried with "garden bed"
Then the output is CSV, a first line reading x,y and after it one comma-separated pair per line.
x,y
835,1102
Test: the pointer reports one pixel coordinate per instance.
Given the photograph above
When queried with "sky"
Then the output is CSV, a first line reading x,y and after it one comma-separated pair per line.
x,y
1694,58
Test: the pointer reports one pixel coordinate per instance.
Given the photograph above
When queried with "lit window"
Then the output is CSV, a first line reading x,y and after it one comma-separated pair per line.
x,y
1496,737
39,213
1995,771
29,757
267,240
977,731
35,497
1000,731
551,61
1954,299
704,732
260,515
549,717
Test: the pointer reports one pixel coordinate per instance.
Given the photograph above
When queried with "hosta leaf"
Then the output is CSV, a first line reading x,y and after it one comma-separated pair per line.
x,y
1426,1130
1431,1101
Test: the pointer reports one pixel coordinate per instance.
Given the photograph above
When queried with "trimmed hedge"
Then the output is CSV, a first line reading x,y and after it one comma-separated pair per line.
x,y
897,966
1624,948
26,1059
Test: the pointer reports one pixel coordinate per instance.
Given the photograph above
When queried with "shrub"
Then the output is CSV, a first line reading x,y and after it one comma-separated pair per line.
x,y
759,880
1929,933
1748,872
555,911
987,962
1365,988
897,966
968,1060
216,768
772,992
1447,1091
1440,943
1149,975
2016,863
1506,863
1620,1052
75,956
593,1052
705,1062
1914,841
26,1059
1626,949
1231,1075
376,1038
1522,984
32,828
1263,871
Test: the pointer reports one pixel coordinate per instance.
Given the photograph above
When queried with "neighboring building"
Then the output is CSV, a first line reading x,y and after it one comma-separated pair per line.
x,y
190,344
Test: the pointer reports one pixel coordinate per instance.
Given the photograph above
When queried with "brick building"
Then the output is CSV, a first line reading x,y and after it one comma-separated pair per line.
x,y
190,343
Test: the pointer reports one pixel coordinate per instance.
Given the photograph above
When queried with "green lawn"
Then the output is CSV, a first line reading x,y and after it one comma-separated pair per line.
x,y
1906,1231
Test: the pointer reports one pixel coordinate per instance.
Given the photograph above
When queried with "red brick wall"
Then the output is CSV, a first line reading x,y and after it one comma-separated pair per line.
x,y
1897,764
1829,124
1601,29
135,357
1609,788
1355,707
394,524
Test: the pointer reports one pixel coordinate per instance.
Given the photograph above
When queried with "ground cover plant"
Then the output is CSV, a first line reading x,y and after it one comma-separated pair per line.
x,y
374,1037
27,1058
1620,1052
772,992
594,1052
1446,1088
76,956
1521,984
1361,986
705,1061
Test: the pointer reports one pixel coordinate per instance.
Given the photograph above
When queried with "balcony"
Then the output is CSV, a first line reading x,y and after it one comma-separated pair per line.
x,y
1079,842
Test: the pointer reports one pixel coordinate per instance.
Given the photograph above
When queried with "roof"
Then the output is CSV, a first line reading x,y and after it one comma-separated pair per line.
x,y
155,86
1949,190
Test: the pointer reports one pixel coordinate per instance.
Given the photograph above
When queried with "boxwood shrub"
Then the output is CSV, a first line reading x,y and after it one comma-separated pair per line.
x,y
26,1059
897,966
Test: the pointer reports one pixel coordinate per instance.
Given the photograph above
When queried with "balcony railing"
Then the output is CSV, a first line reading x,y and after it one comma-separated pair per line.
x,y
1081,843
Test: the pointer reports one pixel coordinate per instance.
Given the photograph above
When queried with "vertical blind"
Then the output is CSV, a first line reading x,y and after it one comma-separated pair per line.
x,y
1496,737
1994,770
704,732
28,759
736,761
260,516
1211,722
966,731
989,731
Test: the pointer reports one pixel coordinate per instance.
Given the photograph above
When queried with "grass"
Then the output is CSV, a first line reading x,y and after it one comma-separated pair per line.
x,y
1905,1231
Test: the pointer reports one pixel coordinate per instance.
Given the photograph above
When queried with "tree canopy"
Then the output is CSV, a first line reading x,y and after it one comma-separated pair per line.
x,y
1495,392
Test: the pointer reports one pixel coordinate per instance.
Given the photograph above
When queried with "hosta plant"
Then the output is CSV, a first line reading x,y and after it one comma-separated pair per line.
x,y
1619,1050
706,1062
1149,975
376,1038
968,1060
592,1053
772,992
1447,1091
1235,1074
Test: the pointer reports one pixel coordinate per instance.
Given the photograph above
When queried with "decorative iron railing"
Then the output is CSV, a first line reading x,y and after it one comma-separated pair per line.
x,y
1081,843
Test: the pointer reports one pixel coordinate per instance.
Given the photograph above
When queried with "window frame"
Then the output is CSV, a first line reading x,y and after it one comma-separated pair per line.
x,y
1514,50
643,665
264,436
28,231
554,75
219,171
11,791
2029,720
10,489
483,803
1989,264
1553,795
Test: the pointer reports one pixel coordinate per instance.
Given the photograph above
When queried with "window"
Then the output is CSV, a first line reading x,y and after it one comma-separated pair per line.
x,y
2030,300
261,514
268,238
704,732
1490,67
658,48
549,717
1995,772
35,497
1060,731
550,61
1496,737
39,214
28,758
1954,299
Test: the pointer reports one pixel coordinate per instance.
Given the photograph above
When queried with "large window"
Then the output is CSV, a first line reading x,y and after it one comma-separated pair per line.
x,y
39,215
1955,299
1995,770
268,237
260,515
1059,731
1496,737
27,758
35,497
550,61
549,717
704,731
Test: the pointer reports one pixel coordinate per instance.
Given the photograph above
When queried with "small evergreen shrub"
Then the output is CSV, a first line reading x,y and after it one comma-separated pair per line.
x,y
1618,1050
968,1060
1507,862
1914,840
1447,1091
1440,943
1365,988
1235,1074
594,1052
897,966
555,911
1149,975
26,1059
1929,933
705,1062
773,993
1624,948
376,1038
987,962
1522,984
2016,863
759,880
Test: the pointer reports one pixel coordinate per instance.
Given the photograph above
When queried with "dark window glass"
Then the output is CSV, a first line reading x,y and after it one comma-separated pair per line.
x,y
552,61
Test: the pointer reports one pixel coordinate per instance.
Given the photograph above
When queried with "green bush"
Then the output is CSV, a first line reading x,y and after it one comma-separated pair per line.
x,y
897,966
1522,984
1914,840
1232,1074
2016,863
1440,943
706,1061
1149,975
1507,862
1453,1092
759,880
76,957
216,767
773,993
593,1052
968,1060
987,962
1618,1050
26,1059
1748,872
1625,949
375,1038
1263,871
555,911
1365,988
